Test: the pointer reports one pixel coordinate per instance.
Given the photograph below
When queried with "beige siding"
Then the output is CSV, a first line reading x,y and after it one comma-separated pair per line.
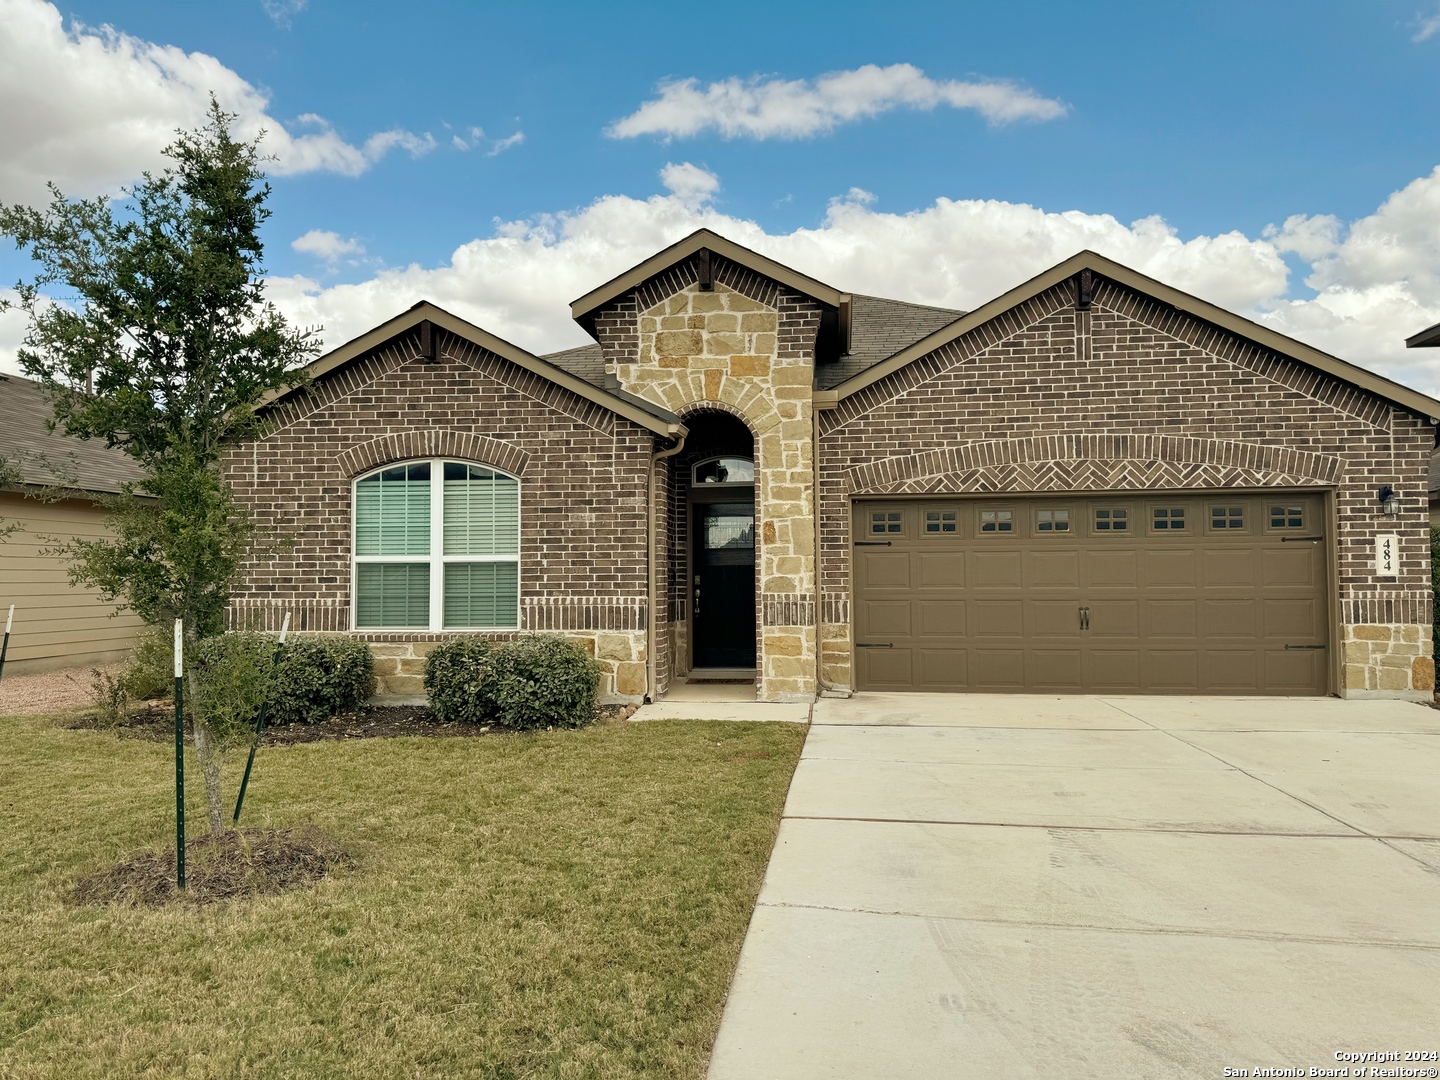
x,y
56,624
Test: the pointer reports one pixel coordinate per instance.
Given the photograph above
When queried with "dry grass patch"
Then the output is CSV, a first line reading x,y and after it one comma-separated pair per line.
x,y
557,904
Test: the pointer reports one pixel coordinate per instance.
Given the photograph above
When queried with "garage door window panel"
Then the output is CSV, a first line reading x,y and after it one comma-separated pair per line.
x,y
1168,520
1285,517
939,523
997,521
1052,522
887,523
1227,519
1110,520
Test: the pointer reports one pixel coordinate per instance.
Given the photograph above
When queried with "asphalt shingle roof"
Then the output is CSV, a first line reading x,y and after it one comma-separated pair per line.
x,y
880,328
586,362
45,459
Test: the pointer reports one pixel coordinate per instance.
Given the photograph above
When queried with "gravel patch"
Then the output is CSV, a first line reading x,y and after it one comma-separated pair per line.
x,y
50,691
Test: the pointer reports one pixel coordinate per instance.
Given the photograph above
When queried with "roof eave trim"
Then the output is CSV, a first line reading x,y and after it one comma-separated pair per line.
x,y
1413,400
661,261
424,310
1429,338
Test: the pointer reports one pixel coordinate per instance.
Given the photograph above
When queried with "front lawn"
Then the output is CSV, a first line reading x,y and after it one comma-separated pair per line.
x,y
560,904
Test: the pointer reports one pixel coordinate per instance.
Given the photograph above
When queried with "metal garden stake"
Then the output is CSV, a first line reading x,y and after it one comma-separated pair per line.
x,y
260,722
4,648
179,756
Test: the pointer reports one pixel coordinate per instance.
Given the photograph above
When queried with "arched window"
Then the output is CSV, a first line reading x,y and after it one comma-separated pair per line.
x,y
723,470
437,556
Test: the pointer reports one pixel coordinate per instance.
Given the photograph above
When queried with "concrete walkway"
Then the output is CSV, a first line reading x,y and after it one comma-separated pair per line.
x,y
998,887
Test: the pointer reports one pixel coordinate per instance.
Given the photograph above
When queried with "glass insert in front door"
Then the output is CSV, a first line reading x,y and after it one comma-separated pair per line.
x,y
724,585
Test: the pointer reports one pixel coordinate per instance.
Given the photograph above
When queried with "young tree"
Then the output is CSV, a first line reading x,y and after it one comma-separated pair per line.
x,y
164,349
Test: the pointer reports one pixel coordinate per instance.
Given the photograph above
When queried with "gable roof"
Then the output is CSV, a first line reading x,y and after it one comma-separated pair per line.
x,y
629,406
51,459
582,309
1413,400
1429,338
879,328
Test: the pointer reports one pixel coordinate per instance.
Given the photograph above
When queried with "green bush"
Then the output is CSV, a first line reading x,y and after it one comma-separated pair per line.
x,y
313,679
150,672
536,681
458,680
317,677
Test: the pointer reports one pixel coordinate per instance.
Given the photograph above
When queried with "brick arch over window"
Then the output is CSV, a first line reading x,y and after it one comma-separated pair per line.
x,y
1095,463
434,444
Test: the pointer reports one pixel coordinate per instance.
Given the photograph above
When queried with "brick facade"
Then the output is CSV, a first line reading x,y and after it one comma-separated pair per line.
x,y
1131,395
582,472
1126,394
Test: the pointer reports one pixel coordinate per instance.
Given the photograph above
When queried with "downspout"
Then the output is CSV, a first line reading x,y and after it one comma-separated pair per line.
x,y
650,560
815,514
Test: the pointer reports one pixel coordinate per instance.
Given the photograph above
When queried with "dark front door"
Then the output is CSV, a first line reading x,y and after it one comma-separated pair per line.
x,y
724,596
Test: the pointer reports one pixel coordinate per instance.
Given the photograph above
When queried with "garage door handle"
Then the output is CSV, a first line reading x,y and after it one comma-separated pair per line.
x,y
1307,646
863,645
872,543
1084,618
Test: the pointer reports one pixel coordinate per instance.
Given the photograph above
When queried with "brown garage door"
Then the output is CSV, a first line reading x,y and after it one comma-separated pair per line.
x,y
1155,594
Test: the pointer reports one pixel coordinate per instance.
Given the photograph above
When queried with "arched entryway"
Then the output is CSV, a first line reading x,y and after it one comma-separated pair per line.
x,y
713,549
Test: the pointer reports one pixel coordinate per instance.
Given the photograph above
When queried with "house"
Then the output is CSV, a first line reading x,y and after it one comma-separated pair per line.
x,y
1430,338
1092,483
56,624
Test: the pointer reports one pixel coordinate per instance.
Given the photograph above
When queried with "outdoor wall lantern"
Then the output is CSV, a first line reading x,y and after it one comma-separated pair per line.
x,y
1388,502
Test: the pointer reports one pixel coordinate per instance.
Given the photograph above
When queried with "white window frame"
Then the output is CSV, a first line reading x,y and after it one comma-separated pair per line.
x,y
437,558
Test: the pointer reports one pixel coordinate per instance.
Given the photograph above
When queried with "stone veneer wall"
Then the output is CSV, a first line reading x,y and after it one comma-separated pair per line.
x,y
1386,660
1133,395
582,472
747,348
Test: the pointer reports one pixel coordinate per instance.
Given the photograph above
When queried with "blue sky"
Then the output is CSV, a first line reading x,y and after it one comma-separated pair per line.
x,y
1222,119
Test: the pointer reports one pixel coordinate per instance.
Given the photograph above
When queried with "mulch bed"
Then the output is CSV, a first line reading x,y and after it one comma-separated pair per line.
x,y
228,866
155,722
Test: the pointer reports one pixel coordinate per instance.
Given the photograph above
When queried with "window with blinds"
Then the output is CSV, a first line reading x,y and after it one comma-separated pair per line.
x,y
437,556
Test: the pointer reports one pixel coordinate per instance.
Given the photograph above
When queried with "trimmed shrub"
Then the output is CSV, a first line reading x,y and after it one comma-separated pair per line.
x,y
535,681
314,678
542,680
458,680
318,677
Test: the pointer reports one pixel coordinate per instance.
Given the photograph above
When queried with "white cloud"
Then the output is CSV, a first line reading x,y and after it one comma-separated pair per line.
x,y
1377,280
283,12
1427,28
501,145
793,109
327,245
469,140
92,108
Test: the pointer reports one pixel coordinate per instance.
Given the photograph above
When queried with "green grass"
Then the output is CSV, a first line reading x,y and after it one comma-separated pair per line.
x,y
558,904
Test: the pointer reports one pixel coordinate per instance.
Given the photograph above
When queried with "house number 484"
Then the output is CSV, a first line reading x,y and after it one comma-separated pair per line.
x,y
1387,554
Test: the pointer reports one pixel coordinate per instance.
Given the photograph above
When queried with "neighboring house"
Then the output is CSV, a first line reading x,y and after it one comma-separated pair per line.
x,y
1435,488
1430,338
56,624
1093,483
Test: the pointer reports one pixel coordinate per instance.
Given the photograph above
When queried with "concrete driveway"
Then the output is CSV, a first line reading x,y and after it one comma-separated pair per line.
x,y
1000,887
